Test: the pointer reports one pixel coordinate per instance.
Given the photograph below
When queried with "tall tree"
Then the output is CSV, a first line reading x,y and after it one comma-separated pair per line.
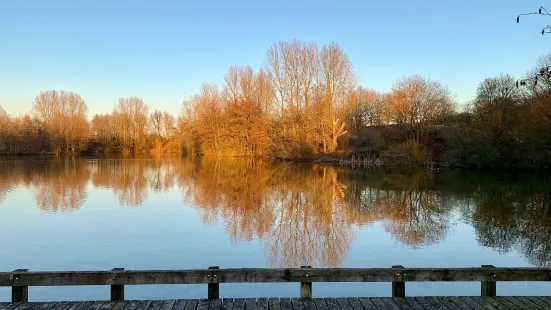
x,y
418,102
337,79
130,116
64,116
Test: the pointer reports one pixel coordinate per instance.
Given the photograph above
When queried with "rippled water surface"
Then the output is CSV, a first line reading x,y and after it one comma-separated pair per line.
x,y
180,213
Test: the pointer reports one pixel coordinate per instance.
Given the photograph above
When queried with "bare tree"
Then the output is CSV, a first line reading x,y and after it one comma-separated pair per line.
x,y
168,125
64,116
131,118
418,102
337,79
156,123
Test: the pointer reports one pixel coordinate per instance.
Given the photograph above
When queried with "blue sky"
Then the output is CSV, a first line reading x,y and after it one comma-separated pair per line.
x,y
163,51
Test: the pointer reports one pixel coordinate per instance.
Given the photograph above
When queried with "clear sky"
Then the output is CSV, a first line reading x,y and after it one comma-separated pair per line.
x,y
163,51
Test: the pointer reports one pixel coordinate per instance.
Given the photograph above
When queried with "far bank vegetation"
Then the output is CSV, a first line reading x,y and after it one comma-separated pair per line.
x,y
305,103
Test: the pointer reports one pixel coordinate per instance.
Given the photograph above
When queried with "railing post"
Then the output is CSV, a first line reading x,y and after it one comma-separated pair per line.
x,y
214,286
306,287
117,291
399,287
488,288
19,293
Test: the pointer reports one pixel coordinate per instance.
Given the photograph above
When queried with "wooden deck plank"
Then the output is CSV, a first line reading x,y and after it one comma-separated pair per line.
x,y
437,303
354,303
83,305
425,303
516,302
501,303
378,302
486,303
285,304
273,303
180,304
473,304
22,306
156,305
143,305
12,306
250,304
412,301
332,304
108,305
367,303
538,302
297,304
400,301
215,304
460,303
390,303
527,302
190,304
35,305
50,305
227,304
203,304
448,303
344,304
320,304
167,304
545,299
262,304
239,304
96,305
31,305
72,305
120,305
506,303
309,304
385,303
130,305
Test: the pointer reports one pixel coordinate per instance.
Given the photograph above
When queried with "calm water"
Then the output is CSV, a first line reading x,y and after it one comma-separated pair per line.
x,y
98,214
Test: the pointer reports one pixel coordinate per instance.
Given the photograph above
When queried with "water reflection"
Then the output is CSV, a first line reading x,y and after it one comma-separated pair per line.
x,y
304,213
413,211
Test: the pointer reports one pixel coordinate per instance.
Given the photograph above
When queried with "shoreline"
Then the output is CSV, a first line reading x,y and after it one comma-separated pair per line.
x,y
332,159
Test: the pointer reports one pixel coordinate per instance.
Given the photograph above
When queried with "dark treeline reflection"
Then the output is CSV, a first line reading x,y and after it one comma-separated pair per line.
x,y
308,213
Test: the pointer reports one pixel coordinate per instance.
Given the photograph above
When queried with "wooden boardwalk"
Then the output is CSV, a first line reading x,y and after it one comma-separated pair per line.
x,y
385,303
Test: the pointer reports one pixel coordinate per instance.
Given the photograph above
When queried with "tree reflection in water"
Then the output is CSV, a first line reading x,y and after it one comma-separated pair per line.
x,y
308,214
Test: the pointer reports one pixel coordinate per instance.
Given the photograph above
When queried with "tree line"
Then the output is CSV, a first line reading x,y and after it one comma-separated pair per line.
x,y
305,101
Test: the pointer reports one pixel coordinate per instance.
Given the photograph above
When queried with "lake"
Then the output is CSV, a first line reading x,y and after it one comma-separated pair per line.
x,y
185,213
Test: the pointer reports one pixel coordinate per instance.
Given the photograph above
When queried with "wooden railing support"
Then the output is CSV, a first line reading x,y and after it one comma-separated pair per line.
x,y
20,280
214,285
306,287
117,291
488,288
19,293
399,287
